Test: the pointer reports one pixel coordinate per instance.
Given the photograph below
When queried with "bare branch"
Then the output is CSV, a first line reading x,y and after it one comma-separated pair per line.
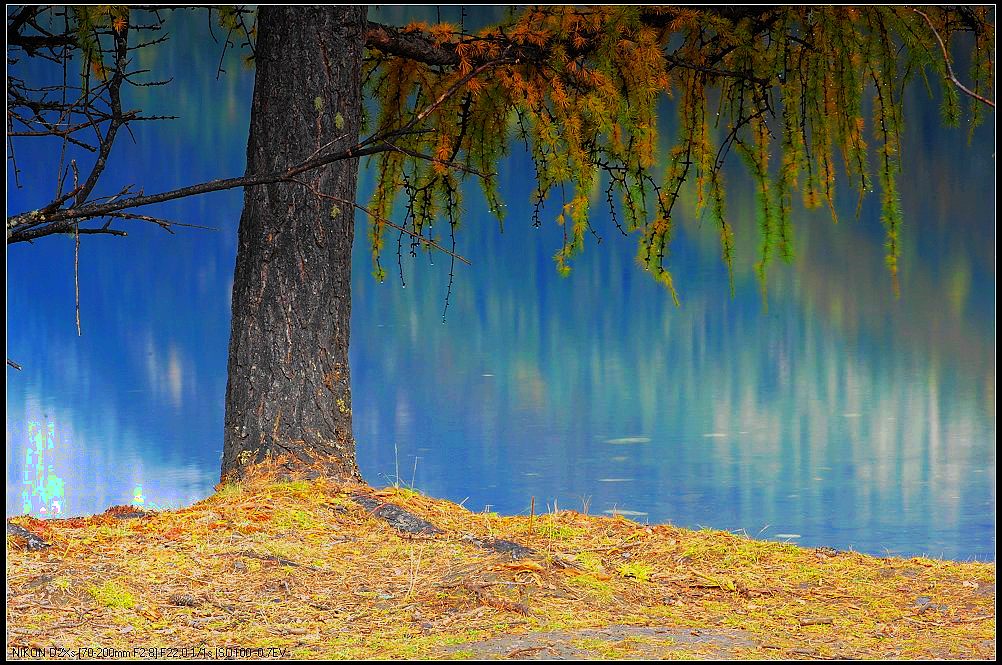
x,y
39,223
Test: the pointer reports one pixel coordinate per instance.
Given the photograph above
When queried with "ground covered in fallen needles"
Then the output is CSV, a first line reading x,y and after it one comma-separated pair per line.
x,y
315,569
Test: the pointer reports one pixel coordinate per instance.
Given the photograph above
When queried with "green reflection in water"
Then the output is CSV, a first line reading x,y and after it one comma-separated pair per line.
x,y
43,492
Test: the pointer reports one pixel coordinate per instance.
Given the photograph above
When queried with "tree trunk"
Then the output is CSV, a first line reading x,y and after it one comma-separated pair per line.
x,y
288,393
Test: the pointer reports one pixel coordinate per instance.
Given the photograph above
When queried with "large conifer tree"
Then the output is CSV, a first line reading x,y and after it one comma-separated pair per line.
x,y
785,88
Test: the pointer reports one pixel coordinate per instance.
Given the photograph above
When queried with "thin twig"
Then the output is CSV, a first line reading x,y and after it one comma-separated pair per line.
x,y
949,67
383,220
76,274
17,225
434,105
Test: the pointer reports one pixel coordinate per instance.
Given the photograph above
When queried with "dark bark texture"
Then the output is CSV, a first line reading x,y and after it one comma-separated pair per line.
x,y
289,393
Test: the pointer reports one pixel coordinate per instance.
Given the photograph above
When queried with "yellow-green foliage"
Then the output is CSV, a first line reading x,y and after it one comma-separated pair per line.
x,y
294,518
112,594
229,491
551,529
598,588
589,561
580,89
638,571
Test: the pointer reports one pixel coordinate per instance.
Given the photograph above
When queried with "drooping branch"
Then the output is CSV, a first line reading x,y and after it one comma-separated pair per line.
x,y
582,84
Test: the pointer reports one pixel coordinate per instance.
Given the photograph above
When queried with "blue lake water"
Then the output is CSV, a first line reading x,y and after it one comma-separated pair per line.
x,y
831,413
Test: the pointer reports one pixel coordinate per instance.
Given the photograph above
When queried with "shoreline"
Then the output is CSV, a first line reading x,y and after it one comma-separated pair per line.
x,y
611,514
327,570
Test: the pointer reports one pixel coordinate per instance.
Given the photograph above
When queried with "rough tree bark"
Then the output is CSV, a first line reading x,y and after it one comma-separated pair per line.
x,y
288,392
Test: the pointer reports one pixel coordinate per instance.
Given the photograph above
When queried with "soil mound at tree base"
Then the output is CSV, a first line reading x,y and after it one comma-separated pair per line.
x,y
300,568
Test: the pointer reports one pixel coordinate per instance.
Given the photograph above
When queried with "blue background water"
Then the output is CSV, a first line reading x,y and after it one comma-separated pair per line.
x,y
837,413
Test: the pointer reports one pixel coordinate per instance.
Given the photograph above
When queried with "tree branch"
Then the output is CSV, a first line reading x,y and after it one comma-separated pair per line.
x,y
421,48
35,224
949,68
413,46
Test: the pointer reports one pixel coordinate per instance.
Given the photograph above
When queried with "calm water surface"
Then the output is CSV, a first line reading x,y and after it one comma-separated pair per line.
x,y
829,413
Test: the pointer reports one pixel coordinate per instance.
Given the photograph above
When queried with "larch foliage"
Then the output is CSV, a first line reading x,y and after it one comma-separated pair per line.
x,y
785,88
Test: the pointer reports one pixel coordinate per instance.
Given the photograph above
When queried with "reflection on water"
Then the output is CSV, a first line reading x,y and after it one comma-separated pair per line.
x,y
42,491
836,415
